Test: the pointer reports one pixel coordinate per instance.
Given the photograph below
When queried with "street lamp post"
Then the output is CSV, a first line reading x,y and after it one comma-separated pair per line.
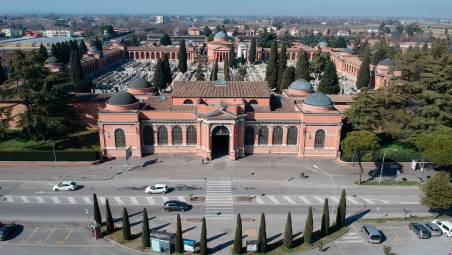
x,y
383,163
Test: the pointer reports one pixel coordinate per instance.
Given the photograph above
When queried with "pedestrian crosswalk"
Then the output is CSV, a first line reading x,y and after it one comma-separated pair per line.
x,y
350,237
314,200
219,201
87,200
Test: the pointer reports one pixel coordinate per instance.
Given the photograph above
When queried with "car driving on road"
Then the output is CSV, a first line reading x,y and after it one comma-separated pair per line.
x,y
65,186
175,205
156,189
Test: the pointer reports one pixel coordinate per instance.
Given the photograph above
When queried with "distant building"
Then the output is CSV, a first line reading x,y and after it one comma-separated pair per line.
x,y
193,31
11,32
218,49
159,20
57,32
150,53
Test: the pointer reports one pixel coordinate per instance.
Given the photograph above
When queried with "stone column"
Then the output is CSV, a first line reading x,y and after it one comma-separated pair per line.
x,y
301,140
284,139
170,135
184,135
270,135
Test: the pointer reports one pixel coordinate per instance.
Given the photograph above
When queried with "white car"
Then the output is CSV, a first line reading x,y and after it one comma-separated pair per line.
x,y
446,227
65,186
156,189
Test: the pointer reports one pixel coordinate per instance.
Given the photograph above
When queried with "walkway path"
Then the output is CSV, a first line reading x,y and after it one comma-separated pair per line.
x,y
219,200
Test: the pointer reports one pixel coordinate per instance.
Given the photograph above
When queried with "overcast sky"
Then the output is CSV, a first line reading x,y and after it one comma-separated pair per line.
x,y
407,8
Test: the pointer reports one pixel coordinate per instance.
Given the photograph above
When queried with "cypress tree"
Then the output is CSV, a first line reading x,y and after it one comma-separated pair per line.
x,y
82,47
288,78
109,218
288,234
214,74
262,236
2,74
125,225
308,228
226,69
75,71
43,52
167,70
271,74
203,250
364,73
252,52
200,73
159,76
341,211
232,59
303,70
182,57
325,229
53,51
145,235
329,84
97,216
238,236
282,63
178,242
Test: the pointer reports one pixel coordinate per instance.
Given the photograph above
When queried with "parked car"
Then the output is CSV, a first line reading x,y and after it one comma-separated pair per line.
x,y
373,233
420,230
6,230
65,186
175,205
435,230
156,189
446,226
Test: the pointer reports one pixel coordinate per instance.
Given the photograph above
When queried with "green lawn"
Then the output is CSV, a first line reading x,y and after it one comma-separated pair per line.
x,y
85,140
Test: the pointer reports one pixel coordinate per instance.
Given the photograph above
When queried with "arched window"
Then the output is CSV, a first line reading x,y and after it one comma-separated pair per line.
x,y
277,135
319,139
253,102
148,135
263,136
249,135
191,135
177,135
188,101
162,135
120,138
292,135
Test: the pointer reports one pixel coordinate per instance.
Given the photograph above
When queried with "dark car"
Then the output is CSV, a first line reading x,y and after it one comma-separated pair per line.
x,y
435,230
6,230
420,230
175,205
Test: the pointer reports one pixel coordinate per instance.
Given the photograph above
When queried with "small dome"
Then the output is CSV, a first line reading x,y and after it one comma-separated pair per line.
x,y
318,99
51,60
139,83
386,62
122,98
322,44
301,84
221,34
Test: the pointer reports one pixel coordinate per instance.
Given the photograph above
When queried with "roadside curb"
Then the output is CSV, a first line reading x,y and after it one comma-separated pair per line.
x,y
125,246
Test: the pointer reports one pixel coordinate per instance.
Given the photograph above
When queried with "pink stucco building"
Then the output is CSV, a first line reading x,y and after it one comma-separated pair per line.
x,y
229,118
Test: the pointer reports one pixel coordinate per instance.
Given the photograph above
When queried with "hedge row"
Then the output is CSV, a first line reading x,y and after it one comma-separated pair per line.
x,y
78,155
405,155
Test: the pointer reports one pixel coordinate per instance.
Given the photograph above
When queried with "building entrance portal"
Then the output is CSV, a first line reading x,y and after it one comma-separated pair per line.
x,y
220,142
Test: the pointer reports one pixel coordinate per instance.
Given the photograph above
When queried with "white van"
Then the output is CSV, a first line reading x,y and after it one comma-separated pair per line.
x,y
446,227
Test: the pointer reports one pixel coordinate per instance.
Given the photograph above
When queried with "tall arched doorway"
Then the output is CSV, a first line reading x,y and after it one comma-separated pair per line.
x,y
220,141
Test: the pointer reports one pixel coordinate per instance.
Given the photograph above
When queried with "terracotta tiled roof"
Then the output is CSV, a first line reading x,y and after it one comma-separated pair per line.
x,y
237,89
287,105
342,98
164,103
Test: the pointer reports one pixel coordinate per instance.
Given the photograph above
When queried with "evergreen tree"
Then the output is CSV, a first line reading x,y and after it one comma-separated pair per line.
x,y
203,250
82,47
271,74
214,74
318,64
308,228
3,75
288,234
341,211
303,69
135,40
159,80
282,63
165,40
182,57
252,52
97,216
199,73
75,71
43,52
232,57
53,51
329,84
364,74
179,241
125,225
238,236
325,229
262,236
145,235
288,78
206,31
109,218
167,70
226,70
437,192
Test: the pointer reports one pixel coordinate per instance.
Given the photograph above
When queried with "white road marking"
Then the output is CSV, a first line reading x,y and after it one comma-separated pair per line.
x,y
150,200
369,201
352,200
9,199
181,198
335,200
165,198
290,200
87,200
259,200
71,200
319,199
119,201
274,200
40,199
134,200
56,200
24,199
305,200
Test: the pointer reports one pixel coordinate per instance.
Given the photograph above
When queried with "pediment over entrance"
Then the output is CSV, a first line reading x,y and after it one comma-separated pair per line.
x,y
220,114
